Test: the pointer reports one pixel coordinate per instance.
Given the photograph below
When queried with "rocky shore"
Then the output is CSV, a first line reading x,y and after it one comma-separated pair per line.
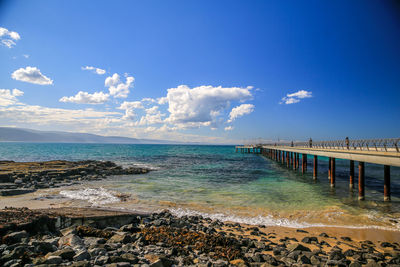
x,y
25,177
106,238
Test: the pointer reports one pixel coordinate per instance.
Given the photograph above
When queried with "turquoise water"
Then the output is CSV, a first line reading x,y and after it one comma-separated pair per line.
x,y
217,181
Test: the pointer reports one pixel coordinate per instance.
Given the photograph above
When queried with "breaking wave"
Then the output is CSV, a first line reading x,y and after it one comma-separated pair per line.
x,y
96,197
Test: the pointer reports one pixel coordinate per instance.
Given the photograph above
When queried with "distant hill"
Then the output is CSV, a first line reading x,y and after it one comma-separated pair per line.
x,y
9,134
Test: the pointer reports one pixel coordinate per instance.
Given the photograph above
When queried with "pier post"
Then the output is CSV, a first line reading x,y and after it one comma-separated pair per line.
x,y
298,161
333,172
329,168
294,160
287,159
351,185
315,170
361,181
386,187
304,163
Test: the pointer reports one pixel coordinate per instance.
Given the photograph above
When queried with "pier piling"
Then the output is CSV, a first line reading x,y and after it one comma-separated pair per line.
x,y
386,187
351,185
333,172
304,163
361,181
315,170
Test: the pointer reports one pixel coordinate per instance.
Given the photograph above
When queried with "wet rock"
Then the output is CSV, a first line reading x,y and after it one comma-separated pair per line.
x,y
323,235
301,231
355,264
238,262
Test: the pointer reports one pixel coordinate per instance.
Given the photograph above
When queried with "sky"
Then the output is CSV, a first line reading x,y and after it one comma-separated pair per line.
x,y
202,71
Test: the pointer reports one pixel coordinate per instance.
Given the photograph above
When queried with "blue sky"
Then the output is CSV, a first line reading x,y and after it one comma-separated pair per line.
x,y
210,71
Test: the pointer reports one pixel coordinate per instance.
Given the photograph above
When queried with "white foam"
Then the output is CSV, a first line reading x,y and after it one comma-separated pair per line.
x,y
96,197
267,220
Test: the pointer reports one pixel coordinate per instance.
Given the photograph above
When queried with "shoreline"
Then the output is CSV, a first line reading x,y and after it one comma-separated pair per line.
x,y
155,238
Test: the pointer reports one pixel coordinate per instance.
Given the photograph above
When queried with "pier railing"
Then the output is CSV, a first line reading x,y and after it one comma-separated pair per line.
x,y
388,144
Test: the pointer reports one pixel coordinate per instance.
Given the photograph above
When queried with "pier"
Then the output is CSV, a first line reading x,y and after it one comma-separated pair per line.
x,y
377,151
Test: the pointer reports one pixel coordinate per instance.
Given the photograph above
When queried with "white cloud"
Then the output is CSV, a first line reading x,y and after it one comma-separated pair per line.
x,y
295,97
25,56
86,120
117,88
86,98
94,69
148,99
8,38
239,111
31,75
9,97
153,116
200,106
228,128
129,108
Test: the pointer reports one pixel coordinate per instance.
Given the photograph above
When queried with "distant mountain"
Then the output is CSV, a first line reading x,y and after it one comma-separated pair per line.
x,y
9,134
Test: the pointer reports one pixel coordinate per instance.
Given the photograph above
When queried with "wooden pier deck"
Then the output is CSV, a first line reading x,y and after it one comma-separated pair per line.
x,y
378,151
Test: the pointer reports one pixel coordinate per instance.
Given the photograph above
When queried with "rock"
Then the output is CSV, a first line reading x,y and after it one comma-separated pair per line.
x,y
80,264
386,245
102,260
336,255
335,263
323,235
120,238
66,253
301,231
15,237
309,239
13,263
53,260
346,238
355,264
303,260
97,251
297,246
129,257
162,262
43,247
315,260
238,262
70,240
82,255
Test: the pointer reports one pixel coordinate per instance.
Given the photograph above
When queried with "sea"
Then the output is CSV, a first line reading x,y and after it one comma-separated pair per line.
x,y
217,182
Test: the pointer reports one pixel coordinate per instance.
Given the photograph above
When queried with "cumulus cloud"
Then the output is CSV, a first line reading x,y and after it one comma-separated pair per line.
x,y
9,97
228,128
8,38
296,97
117,88
153,116
129,108
240,111
86,98
94,69
200,106
31,75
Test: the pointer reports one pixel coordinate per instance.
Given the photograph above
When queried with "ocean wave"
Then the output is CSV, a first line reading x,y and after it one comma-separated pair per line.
x,y
96,197
269,220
